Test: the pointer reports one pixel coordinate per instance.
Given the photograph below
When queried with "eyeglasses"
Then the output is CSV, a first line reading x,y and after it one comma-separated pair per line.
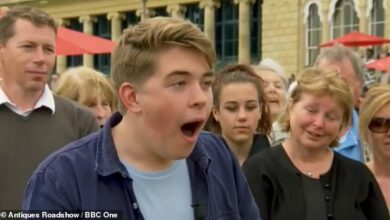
x,y
379,125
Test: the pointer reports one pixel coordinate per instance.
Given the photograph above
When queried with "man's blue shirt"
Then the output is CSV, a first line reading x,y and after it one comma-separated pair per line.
x,y
88,175
350,145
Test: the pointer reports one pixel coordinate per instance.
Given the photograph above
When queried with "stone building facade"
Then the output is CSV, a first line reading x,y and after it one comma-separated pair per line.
x,y
245,31
292,30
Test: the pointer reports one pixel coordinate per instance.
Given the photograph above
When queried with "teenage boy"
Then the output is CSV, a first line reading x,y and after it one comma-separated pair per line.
x,y
151,161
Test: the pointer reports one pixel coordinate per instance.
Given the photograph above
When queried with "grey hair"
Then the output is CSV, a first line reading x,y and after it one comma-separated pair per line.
x,y
261,67
339,52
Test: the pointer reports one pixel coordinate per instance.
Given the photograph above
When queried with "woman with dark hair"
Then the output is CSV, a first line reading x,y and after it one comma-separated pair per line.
x,y
239,112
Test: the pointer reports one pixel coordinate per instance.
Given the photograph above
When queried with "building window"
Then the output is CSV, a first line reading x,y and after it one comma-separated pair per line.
x,y
71,61
226,24
313,34
195,14
131,18
102,28
344,19
377,19
255,26
161,11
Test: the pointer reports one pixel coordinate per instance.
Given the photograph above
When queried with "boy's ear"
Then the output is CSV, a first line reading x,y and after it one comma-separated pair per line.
x,y
128,96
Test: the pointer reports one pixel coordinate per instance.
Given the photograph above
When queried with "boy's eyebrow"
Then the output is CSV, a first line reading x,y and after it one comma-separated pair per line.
x,y
209,74
178,73
186,73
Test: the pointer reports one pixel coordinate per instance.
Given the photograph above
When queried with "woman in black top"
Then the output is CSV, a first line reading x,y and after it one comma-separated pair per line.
x,y
239,113
303,178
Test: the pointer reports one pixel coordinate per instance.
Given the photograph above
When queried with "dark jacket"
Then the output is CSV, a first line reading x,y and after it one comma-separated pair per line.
x,y
260,142
26,141
88,175
350,190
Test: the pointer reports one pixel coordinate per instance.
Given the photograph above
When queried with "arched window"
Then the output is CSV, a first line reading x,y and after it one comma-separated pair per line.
x,y
377,19
313,34
344,18
226,35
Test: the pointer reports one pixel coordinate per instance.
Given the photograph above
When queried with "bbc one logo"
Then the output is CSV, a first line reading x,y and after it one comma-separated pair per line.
x,y
99,215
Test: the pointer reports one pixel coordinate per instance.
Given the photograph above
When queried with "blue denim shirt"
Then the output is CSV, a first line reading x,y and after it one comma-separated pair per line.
x,y
350,145
87,175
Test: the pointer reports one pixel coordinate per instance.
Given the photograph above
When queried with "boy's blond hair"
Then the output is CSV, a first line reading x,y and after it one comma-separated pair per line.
x,y
133,59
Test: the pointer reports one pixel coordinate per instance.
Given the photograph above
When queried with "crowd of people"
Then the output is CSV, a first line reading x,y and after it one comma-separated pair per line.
x,y
167,138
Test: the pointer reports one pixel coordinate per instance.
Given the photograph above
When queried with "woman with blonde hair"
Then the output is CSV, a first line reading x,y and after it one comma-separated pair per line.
x,y
89,88
374,128
303,178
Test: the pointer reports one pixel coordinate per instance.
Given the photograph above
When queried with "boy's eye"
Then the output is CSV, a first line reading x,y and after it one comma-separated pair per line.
x,y
179,84
207,84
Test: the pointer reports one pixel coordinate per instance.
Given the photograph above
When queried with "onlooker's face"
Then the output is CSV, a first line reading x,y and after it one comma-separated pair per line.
x,y
315,121
100,107
239,112
175,102
379,132
348,73
28,57
275,92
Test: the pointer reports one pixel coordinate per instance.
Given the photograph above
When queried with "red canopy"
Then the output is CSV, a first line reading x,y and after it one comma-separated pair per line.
x,y
70,42
355,39
380,65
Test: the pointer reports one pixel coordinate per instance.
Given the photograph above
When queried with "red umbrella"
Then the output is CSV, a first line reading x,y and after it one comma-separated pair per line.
x,y
380,65
70,42
355,39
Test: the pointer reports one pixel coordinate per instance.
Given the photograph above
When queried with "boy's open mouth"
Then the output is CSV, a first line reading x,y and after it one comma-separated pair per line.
x,y
189,129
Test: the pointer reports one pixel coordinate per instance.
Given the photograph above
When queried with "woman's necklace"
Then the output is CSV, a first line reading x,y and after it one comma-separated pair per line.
x,y
311,174
320,166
